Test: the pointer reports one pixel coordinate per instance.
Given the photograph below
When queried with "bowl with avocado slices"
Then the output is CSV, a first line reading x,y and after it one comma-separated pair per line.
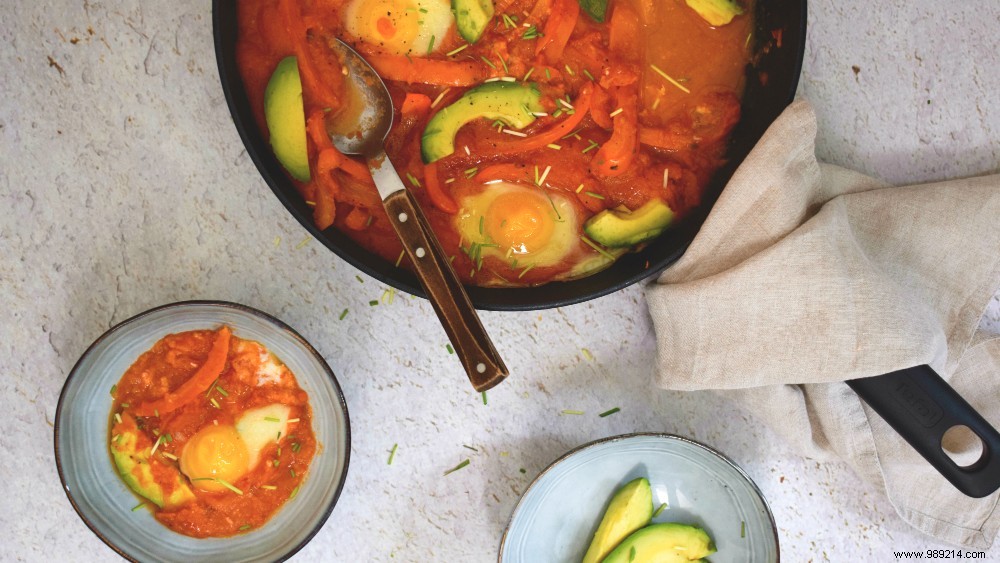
x,y
641,498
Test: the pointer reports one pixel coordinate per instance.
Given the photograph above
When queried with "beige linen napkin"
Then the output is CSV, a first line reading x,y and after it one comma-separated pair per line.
x,y
805,275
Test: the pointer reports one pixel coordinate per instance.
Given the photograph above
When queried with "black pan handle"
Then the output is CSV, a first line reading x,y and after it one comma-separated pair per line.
x,y
921,407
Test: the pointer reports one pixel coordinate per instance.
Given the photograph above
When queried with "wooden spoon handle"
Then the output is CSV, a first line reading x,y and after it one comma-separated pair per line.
x,y
473,346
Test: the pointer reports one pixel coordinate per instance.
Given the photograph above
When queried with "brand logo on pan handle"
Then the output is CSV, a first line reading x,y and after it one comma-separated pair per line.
x,y
917,403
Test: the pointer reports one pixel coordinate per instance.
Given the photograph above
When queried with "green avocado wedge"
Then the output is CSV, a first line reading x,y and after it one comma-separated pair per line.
x,y
133,461
629,510
716,12
284,112
618,229
513,103
663,543
472,17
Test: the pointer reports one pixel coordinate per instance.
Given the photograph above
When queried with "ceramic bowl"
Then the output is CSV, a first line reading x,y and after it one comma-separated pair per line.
x,y
557,516
104,502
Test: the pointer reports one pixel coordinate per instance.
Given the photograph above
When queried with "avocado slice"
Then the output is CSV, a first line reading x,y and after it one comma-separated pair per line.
x,y
616,229
716,12
630,509
513,103
130,452
472,17
669,542
285,114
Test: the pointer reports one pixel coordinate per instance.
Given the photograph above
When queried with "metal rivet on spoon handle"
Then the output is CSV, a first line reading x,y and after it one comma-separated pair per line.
x,y
366,137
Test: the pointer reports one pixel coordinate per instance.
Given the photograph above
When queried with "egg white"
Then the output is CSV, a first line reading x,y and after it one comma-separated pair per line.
x,y
260,426
421,25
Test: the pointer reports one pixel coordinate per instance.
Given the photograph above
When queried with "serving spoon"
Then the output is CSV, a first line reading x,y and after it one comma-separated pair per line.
x,y
363,132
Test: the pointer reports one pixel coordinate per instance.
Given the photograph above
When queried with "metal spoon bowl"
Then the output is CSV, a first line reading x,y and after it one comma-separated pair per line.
x,y
363,132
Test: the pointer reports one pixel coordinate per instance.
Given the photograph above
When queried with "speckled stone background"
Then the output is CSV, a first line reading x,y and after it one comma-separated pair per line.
x,y
124,185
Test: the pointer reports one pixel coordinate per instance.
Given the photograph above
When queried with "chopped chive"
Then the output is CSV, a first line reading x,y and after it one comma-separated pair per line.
x,y
554,146
292,471
156,445
279,452
572,133
531,33
594,195
449,348
227,485
593,145
156,413
669,79
548,74
304,242
508,22
214,403
557,113
115,437
357,277
590,76
114,389
343,314
221,391
468,447
268,487
392,454
296,447
502,62
666,176
525,271
569,411
609,412
470,172
523,470
527,74
244,527
457,467
430,45
275,463
600,250
138,506
570,71
277,242
169,455
278,439
295,491
515,133
659,509
272,419
118,418
656,103
482,222
398,261
413,179
440,96
210,388
484,397
743,529
373,302
293,420
125,405
616,112
487,61
545,175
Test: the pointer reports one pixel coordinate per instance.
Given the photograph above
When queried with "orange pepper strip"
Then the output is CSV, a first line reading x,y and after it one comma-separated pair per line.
x,y
197,384
325,211
427,71
415,104
321,86
580,108
615,156
316,127
439,197
557,30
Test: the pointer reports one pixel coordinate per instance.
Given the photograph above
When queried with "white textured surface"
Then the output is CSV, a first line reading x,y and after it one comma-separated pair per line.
x,y
124,185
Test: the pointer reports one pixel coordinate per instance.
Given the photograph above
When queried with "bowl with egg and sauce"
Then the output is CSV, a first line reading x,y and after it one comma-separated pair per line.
x,y
202,431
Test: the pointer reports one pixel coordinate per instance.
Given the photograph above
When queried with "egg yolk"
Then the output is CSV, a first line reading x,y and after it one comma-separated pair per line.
x,y
214,453
519,220
392,24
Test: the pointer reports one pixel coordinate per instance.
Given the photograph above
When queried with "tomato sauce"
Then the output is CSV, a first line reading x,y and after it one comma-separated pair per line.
x,y
663,88
250,378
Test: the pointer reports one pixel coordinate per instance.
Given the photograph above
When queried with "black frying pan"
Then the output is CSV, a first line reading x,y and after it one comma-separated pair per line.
x,y
916,402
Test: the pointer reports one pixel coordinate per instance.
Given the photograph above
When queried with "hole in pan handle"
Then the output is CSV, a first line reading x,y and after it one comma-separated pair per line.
x,y
922,407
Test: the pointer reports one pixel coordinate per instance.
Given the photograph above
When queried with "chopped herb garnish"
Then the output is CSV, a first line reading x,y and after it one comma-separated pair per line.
x,y
272,419
502,62
343,314
413,179
296,447
430,45
138,506
568,411
227,485
392,454
210,388
156,445
244,527
357,277
114,389
743,529
616,112
588,75
594,195
115,437
457,467
373,302
118,418
487,61
156,413
659,510
449,348
525,271
570,70
295,491
484,397
523,470
398,261
169,455
531,33
593,145
276,462
482,222
470,172
548,74
304,242
527,74
292,471
669,79
609,412
508,21
468,447
602,252
214,403
268,487
554,146
293,420
221,391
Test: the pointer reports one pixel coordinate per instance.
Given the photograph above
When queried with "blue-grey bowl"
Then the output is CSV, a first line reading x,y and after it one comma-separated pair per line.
x,y
104,502
557,516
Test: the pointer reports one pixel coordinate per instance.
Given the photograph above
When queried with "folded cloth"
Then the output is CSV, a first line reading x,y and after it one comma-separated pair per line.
x,y
805,275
